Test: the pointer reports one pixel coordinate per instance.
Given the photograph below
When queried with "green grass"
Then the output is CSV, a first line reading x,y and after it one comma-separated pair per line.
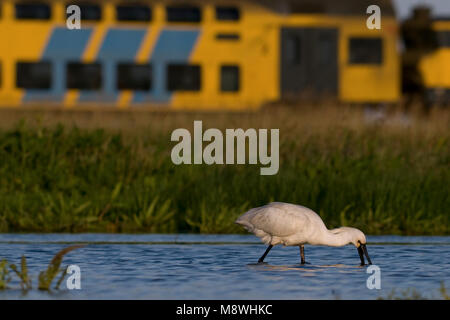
x,y
379,178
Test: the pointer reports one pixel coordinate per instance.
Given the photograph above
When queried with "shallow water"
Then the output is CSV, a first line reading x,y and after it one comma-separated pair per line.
x,y
118,266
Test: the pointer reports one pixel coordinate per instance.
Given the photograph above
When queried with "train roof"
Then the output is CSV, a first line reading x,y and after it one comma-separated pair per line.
x,y
333,7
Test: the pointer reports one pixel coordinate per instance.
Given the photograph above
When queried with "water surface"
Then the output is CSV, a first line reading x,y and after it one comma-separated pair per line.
x,y
121,266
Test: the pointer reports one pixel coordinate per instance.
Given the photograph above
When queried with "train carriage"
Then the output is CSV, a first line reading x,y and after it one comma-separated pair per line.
x,y
196,54
435,66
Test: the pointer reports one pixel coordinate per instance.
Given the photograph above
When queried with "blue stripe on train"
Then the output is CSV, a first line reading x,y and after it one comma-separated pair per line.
x,y
119,45
63,45
172,46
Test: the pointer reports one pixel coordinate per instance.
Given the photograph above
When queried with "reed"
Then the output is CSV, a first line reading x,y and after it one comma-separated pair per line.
x,y
112,171
45,278
414,294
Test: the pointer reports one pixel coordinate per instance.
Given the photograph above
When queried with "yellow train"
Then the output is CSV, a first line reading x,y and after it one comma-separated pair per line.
x,y
435,67
196,54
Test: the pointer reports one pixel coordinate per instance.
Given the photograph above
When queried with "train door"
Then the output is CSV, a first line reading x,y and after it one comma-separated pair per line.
x,y
308,62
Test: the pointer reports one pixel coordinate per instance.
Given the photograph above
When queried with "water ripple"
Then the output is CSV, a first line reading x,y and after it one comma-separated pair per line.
x,y
203,267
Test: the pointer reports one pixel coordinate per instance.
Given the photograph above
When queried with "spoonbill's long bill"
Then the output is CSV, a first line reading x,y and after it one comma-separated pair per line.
x,y
295,225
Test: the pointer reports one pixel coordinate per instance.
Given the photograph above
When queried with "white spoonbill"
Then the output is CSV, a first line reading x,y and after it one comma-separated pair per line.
x,y
295,225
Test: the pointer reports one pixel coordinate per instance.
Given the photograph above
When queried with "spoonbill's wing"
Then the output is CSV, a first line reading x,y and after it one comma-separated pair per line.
x,y
274,219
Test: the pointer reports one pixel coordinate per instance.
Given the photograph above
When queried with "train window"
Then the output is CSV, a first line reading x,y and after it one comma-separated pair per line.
x,y
229,78
84,76
183,77
132,76
227,14
90,12
293,49
133,13
183,14
366,51
33,10
443,38
34,75
307,7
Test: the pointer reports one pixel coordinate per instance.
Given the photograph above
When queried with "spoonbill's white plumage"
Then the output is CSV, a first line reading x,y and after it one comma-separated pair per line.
x,y
295,225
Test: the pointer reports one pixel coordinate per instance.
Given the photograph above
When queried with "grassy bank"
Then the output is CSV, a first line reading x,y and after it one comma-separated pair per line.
x,y
112,172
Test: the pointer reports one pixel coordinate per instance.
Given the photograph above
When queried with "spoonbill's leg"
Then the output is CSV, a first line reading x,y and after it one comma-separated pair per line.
x,y
302,253
265,254
362,250
361,255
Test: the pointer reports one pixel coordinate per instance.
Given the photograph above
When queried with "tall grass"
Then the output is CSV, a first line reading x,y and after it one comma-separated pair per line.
x,y
45,278
414,294
81,173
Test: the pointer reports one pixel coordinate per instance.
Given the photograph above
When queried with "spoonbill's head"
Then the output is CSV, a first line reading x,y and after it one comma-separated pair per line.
x,y
357,238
